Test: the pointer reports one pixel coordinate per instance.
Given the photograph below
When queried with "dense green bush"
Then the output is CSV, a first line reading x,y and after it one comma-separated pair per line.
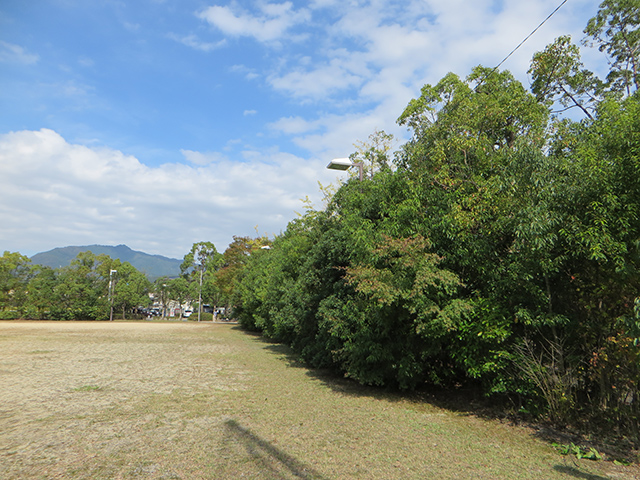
x,y
9,315
502,250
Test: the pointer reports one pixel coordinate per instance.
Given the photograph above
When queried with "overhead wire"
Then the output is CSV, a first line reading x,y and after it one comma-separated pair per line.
x,y
521,43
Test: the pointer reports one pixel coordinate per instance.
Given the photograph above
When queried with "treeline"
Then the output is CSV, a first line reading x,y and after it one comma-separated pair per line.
x,y
92,285
498,248
79,291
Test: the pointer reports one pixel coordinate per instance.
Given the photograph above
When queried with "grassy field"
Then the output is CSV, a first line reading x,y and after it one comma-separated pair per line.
x,y
100,400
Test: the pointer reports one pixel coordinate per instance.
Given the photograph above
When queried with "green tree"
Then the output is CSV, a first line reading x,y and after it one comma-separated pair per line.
x,y
80,290
461,128
269,295
409,308
558,74
202,257
374,153
179,291
502,251
161,293
41,297
231,266
615,31
131,288
15,270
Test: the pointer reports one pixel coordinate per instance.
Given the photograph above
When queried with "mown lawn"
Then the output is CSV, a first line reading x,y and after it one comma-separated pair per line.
x,y
207,401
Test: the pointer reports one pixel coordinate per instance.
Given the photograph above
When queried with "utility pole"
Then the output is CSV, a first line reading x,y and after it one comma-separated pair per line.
x,y
111,293
200,291
163,297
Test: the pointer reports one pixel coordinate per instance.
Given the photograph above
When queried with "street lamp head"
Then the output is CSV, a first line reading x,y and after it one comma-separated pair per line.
x,y
345,164
112,272
340,164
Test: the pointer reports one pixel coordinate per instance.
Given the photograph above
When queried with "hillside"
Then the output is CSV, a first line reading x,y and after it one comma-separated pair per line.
x,y
153,266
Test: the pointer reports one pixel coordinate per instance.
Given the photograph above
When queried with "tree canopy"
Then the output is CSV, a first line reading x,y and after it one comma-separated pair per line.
x,y
498,247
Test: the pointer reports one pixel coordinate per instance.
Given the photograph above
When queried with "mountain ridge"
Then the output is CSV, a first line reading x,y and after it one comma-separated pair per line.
x,y
154,266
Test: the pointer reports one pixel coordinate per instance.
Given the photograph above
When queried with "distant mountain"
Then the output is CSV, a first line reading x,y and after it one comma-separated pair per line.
x,y
153,266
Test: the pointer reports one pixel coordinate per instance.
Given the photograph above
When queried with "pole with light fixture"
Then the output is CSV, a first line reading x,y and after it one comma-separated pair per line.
x,y
111,293
345,164
163,297
200,290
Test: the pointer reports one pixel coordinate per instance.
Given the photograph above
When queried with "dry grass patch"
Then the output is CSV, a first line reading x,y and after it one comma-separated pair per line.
x,y
183,400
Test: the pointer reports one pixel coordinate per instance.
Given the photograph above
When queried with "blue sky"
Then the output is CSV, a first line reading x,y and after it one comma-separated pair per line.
x,y
160,123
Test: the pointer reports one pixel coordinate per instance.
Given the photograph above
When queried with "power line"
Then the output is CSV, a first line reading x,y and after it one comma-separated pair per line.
x,y
529,36
522,42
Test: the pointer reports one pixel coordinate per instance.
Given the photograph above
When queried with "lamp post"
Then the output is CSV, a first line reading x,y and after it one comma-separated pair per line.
x,y
163,297
111,293
200,292
345,164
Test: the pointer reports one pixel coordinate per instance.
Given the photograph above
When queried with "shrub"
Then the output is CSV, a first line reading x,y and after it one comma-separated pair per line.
x,y
204,317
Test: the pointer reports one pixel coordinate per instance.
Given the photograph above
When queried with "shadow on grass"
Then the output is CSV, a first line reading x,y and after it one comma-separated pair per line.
x,y
265,460
466,401
457,399
575,472
332,380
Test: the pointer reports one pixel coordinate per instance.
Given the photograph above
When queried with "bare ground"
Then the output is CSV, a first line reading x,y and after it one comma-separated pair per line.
x,y
198,401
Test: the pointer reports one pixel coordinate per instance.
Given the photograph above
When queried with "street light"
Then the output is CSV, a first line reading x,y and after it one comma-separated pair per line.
x,y
345,164
111,293
163,297
200,289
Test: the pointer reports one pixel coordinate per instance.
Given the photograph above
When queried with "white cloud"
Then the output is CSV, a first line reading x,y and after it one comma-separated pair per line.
x,y
10,52
86,61
194,42
249,73
199,158
335,135
72,89
56,193
378,55
132,27
293,125
248,113
379,46
70,95
342,72
269,25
